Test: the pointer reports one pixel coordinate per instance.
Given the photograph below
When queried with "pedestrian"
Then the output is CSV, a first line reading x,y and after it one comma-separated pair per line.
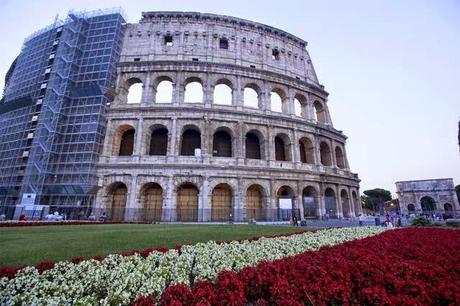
x,y
361,219
294,220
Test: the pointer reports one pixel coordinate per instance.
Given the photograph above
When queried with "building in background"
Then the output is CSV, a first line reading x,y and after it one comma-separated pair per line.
x,y
433,196
52,114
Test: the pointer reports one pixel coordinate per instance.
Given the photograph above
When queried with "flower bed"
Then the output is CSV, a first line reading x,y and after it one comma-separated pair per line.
x,y
414,266
118,280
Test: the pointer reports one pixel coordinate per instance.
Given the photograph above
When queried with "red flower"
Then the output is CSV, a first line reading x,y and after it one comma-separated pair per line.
x,y
43,266
145,301
203,293
230,289
177,295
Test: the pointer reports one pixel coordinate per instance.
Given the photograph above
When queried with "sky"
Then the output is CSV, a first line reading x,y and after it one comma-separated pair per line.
x,y
391,68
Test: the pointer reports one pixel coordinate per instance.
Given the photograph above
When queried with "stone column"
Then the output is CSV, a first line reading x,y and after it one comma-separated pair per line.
x,y
339,202
138,149
108,140
132,202
147,91
237,94
178,91
295,149
334,158
173,138
208,90
204,205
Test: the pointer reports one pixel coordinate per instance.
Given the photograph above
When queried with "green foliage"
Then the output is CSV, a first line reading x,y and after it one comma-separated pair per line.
x,y
374,199
420,221
453,222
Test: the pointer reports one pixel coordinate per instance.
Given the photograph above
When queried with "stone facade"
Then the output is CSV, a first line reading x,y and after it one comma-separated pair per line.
x,y
300,156
427,196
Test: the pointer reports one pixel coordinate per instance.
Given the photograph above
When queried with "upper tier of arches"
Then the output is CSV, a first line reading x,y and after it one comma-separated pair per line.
x,y
221,91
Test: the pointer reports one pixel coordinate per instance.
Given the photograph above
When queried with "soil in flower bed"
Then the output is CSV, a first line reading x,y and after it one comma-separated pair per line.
x,y
30,245
413,266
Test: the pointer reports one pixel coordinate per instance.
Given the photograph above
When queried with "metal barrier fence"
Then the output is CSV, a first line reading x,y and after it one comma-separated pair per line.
x,y
142,215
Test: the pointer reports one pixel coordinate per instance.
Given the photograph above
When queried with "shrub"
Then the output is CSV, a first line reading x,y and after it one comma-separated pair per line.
x,y
421,221
453,222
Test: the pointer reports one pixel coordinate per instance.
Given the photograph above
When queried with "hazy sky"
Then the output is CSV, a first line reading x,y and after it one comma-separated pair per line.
x,y
392,69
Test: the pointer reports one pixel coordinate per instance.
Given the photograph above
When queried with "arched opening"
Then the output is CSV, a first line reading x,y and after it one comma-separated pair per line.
x,y
340,158
286,203
222,144
330,203
300,106
411,207
251,96
448,210
307,151
320,113
221,203
254,203
117,198
159,141
134,91
253,146
223,93
310,202
187,203
276,102
193,91
190,142
345,203
152,202
354,198
428,205
164,91
282,148
325,153
127,142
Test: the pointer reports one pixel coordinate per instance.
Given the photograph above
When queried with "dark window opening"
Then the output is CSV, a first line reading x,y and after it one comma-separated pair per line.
x,y
252,146
223,43
127,143
195,59
159,142
137,59
275,54
252,66
191,140
222,144
168,40
280,153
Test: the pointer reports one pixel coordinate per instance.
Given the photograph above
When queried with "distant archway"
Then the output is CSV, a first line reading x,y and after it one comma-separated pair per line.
x,y
254,203
330,202
221,203
428,204
310,202
152,202
117,197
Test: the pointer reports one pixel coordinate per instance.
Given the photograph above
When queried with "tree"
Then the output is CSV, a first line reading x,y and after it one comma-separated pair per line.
x,y
374,199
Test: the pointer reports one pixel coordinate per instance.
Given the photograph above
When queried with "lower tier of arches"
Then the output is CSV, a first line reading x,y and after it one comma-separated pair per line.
x,y
147,198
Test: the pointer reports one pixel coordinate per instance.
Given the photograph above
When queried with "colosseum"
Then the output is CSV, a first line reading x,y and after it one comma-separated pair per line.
x,y
220,119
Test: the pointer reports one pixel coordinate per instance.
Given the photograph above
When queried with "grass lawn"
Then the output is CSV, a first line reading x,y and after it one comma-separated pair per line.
x,y
30,245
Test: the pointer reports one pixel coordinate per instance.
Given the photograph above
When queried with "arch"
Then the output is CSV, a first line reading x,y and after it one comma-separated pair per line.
x,y
310,202
251,96
152,202
190,140
356,203
164,90
123,141
345,203
276,102
330,202
253,145
193,91
187,202
221,203
135,88
222,143
325,153
285,196
411,207
282,147
428,204
223,92
339,157
320,112
300,106
306,150
117,198
253,203
448,210
159,141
